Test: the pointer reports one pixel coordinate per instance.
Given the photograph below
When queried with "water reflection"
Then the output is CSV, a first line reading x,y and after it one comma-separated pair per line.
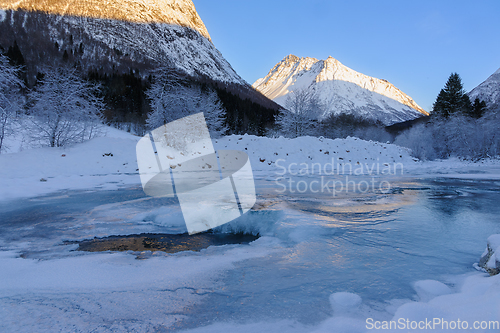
x,y
373,244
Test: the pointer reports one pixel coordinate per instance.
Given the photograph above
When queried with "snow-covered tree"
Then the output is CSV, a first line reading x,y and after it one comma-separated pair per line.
x,y
209,103
456,136
11,99
458,129
301,117
167,97
173,97
491,131
65,108
418,140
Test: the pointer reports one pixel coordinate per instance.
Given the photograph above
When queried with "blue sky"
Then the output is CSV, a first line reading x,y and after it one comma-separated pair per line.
x,y
413,44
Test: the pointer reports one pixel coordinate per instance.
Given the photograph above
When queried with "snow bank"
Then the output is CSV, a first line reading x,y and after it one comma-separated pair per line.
x,y
110,162
477,300
103,162
428,289
296,155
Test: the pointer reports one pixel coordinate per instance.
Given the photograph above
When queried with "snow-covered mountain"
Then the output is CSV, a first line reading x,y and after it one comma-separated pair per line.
x,y
488,91
340,88
178,12
113,36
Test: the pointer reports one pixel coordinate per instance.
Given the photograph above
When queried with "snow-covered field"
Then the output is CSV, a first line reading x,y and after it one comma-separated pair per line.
x,y
110,162
51,288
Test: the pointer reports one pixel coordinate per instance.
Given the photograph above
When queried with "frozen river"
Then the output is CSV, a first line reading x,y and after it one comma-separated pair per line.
x,y
312,244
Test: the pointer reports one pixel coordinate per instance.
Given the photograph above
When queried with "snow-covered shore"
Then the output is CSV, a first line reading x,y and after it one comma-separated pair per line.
x,y
110,162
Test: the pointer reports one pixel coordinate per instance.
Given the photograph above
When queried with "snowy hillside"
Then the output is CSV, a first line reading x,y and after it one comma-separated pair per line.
x,y
340,88
488,91
114,37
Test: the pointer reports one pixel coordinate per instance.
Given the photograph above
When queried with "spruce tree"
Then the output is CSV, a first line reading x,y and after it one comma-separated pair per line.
x,y
478,108
452,98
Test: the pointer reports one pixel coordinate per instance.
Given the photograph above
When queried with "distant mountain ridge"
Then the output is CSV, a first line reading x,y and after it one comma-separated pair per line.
x,y
488,91
340,88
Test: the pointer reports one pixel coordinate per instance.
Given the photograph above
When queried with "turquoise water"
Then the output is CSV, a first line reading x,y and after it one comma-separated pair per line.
x,y
374,244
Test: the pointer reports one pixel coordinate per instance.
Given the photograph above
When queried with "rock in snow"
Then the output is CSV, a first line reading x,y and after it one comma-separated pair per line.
x,y
490,260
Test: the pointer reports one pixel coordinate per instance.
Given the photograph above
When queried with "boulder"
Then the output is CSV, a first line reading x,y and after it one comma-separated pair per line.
x,y
490,260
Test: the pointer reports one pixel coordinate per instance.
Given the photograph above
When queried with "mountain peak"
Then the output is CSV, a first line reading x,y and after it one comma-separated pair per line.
x,y
341,89
291,58
177,12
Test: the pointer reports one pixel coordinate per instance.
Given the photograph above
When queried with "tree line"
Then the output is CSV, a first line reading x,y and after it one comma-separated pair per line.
x,y
456,127
61,109
305,114
65,106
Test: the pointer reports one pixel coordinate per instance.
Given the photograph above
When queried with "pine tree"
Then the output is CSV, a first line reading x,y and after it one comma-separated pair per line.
x,y
452,98
478,108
